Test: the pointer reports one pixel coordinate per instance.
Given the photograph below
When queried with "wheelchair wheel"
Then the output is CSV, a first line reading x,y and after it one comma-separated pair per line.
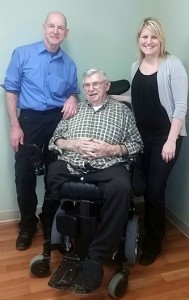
x,y
40,266
132,239
56,237
117,285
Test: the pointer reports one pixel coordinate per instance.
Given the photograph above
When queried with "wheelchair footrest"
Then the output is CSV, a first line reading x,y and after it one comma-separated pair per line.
x,y
67,276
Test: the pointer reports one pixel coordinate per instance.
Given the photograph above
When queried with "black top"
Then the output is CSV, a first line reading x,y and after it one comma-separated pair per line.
x,y
150,115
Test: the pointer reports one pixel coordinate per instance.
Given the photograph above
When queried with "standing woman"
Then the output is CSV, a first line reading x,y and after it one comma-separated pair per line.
x,y
159,99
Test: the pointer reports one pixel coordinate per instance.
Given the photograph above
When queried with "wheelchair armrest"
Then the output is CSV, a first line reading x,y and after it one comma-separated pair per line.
x,y
134,158
137,177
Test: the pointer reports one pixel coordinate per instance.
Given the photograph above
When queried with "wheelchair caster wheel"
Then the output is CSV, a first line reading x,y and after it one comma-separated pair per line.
x,y
40,266
118,285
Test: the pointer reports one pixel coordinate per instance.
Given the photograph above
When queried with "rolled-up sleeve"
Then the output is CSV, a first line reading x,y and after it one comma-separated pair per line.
x,y
58,134
12,81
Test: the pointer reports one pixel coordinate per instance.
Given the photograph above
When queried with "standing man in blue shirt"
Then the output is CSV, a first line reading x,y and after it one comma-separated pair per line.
x,y
41,80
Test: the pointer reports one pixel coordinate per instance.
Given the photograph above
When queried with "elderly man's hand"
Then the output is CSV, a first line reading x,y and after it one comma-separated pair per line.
x,y
93,148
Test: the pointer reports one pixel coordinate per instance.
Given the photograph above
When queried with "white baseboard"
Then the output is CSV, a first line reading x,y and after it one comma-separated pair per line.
x,y
12,215
183,227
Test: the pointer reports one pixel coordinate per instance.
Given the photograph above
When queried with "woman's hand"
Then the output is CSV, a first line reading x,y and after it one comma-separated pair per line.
x,y
168,151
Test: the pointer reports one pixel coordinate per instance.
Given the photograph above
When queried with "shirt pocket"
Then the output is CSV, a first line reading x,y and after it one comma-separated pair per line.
x,y
59,86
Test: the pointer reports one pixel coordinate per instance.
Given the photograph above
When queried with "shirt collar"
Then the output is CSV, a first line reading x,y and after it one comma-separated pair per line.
x,y
103,105
42,48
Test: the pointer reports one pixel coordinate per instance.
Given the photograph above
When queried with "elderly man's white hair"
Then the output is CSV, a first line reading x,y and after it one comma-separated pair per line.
x,y
92,71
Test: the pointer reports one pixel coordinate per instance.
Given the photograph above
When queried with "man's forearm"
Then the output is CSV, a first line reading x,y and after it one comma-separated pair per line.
x,y
11,100
65,144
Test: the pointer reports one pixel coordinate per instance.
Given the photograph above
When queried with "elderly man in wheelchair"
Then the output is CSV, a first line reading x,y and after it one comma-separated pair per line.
x,y
95,147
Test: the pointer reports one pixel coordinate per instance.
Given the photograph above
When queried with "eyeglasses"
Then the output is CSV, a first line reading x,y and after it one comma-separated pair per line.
x,y
95,85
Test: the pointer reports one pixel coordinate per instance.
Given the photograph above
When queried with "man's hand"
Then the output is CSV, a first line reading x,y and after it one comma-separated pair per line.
x,y
16,137
93,148
70,108
89,148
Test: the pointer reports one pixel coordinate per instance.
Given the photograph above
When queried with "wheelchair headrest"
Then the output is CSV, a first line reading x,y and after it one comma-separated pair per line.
x,y
119,87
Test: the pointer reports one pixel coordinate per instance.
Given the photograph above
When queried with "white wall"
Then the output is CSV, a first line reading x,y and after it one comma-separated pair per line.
x,y
102,34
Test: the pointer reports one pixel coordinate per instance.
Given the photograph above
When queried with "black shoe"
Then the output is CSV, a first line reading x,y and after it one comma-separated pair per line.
x,y
24,239
91,274
148,258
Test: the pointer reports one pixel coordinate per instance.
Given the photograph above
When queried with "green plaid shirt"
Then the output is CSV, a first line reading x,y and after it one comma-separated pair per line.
x,y
113,123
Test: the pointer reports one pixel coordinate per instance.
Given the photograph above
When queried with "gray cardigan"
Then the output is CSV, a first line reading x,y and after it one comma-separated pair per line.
x,y
172,82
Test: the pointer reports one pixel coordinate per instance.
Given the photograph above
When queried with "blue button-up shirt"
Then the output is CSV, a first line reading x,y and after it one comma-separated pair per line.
x,y
43,80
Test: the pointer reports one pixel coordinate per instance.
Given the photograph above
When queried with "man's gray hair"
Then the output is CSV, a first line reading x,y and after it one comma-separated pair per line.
x,y
92,71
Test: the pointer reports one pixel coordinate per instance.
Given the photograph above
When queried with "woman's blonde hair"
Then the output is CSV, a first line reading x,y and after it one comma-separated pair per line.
x,y
155,26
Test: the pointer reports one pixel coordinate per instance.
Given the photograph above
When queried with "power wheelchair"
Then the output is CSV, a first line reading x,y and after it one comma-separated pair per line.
x,y
74,226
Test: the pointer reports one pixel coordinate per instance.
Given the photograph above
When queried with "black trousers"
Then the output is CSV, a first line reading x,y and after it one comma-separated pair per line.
x,y
115,184
38,128
156,173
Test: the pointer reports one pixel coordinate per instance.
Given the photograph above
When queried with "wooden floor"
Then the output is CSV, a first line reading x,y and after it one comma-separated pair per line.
x,y
166,279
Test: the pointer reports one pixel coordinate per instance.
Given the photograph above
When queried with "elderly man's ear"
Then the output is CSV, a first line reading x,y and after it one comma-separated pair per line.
x,y
108,83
